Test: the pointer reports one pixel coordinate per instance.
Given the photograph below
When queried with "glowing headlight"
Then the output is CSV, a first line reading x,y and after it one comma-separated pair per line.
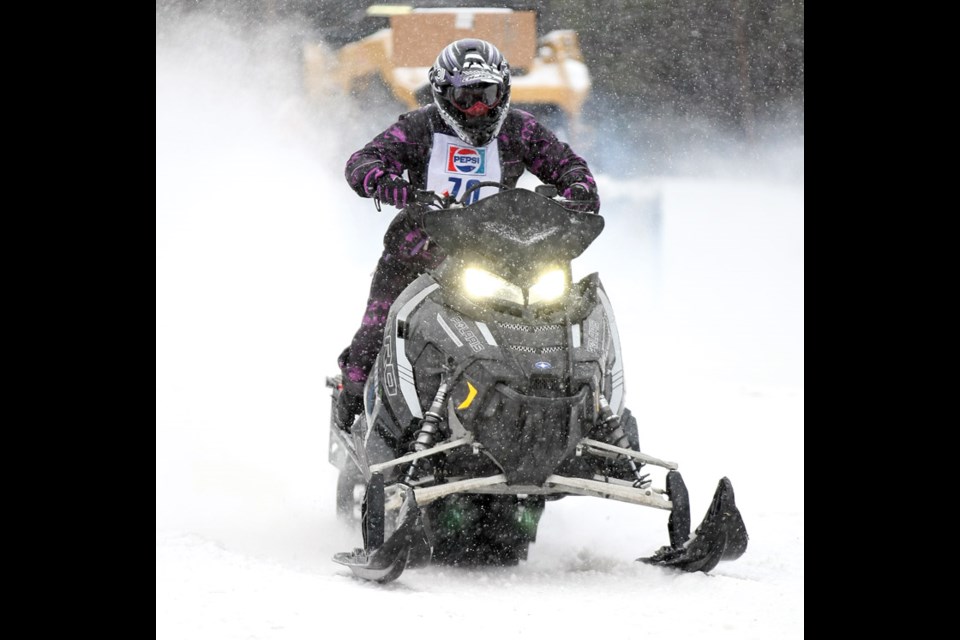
x,y
549,286
482,284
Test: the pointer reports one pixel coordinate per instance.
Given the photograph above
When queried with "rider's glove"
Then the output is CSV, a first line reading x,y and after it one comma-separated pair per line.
x,y
583,192
392,189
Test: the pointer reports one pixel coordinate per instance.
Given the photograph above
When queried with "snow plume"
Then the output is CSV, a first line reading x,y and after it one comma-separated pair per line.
x,y
629,142
256,283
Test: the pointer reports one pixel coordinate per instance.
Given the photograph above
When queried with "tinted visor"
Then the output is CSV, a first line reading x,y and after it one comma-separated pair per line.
x,y
465,97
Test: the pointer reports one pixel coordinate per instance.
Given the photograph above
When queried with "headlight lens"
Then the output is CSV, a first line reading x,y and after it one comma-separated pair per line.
x,y
482,284
549,286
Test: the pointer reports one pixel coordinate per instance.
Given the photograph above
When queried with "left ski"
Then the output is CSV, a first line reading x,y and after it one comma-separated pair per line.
x,y
721,536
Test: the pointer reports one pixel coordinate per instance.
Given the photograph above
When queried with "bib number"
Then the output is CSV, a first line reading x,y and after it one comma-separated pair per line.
x,y
458,182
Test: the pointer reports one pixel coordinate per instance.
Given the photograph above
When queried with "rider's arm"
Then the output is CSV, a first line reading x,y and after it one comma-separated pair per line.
x,y
399,147
549,158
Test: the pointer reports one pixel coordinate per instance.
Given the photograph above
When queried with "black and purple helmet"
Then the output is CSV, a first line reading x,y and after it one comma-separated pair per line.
x,y
471,87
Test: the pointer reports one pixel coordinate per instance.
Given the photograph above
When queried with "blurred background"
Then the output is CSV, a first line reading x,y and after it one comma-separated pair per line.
x,y
678,86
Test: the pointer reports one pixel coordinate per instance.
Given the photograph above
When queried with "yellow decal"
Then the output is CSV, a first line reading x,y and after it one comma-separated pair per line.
x,y
471,394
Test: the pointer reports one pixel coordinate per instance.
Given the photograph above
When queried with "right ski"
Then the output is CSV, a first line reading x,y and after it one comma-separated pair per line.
x,y
384,560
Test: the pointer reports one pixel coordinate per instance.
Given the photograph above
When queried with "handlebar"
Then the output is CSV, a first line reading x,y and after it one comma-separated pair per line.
x,y
434,200
446,201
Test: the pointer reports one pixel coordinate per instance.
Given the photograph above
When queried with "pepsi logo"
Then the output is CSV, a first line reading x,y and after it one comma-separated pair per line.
x,y
466,160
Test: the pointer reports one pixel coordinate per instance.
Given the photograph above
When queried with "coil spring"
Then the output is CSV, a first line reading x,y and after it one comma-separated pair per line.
x,y
614,434
426,433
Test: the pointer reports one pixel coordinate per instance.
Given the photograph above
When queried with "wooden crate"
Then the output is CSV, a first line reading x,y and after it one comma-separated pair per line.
x,y
419,37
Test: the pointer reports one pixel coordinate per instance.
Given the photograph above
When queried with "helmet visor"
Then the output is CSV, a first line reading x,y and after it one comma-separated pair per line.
x,y
466,98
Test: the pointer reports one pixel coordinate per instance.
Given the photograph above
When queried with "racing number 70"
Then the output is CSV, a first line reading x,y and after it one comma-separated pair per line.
x,y
456,189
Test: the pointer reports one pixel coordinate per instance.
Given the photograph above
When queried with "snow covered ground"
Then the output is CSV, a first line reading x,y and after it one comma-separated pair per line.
x,y
263,262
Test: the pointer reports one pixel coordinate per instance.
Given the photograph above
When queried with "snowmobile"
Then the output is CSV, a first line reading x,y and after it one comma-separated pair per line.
x,y
499,388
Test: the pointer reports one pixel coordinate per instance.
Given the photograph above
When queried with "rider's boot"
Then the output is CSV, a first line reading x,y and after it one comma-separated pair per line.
x,y
349,405
350,399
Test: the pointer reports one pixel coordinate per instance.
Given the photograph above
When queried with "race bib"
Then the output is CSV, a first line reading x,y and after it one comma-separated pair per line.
x,y
455,167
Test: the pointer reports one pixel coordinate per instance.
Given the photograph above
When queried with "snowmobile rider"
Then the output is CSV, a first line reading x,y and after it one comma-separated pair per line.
x,y
470,132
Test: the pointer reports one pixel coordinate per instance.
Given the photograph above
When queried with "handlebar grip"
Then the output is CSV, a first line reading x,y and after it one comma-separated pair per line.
x,y
423,196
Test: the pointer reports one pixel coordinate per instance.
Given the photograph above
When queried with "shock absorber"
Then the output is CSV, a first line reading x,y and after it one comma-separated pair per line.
x,y
426,434
609,423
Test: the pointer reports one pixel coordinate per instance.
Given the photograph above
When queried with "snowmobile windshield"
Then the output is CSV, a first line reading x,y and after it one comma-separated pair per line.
x,y
515,233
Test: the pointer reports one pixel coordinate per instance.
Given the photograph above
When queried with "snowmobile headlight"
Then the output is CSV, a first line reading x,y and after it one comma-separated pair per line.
x,y
482,284
549,286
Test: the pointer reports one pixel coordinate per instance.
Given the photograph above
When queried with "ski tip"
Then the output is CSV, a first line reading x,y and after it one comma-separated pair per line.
x,y
721,535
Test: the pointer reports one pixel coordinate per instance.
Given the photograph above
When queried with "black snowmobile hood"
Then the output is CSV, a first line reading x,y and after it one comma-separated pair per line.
x,y
513,226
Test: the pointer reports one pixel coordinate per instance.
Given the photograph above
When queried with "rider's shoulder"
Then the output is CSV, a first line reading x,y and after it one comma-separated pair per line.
x,y
520,114
519,124
518,120
424,114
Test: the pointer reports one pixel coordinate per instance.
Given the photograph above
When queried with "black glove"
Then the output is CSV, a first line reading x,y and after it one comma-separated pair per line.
x,y
585,193
392,189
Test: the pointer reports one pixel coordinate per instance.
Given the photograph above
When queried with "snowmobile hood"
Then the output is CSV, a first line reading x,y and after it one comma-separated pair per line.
x,y
514,229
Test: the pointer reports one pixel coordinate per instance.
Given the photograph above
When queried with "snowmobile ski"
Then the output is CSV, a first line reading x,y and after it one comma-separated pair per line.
x,y
721,536
384,560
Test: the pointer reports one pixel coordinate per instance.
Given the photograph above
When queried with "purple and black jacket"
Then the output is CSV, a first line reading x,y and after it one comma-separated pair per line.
x,y
523,144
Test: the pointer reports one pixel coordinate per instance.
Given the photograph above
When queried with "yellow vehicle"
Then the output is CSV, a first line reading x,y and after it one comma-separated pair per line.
x,y
549,77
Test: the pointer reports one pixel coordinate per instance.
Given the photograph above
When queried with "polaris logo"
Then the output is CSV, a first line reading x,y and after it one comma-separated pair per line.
x,y
468,336
543,365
